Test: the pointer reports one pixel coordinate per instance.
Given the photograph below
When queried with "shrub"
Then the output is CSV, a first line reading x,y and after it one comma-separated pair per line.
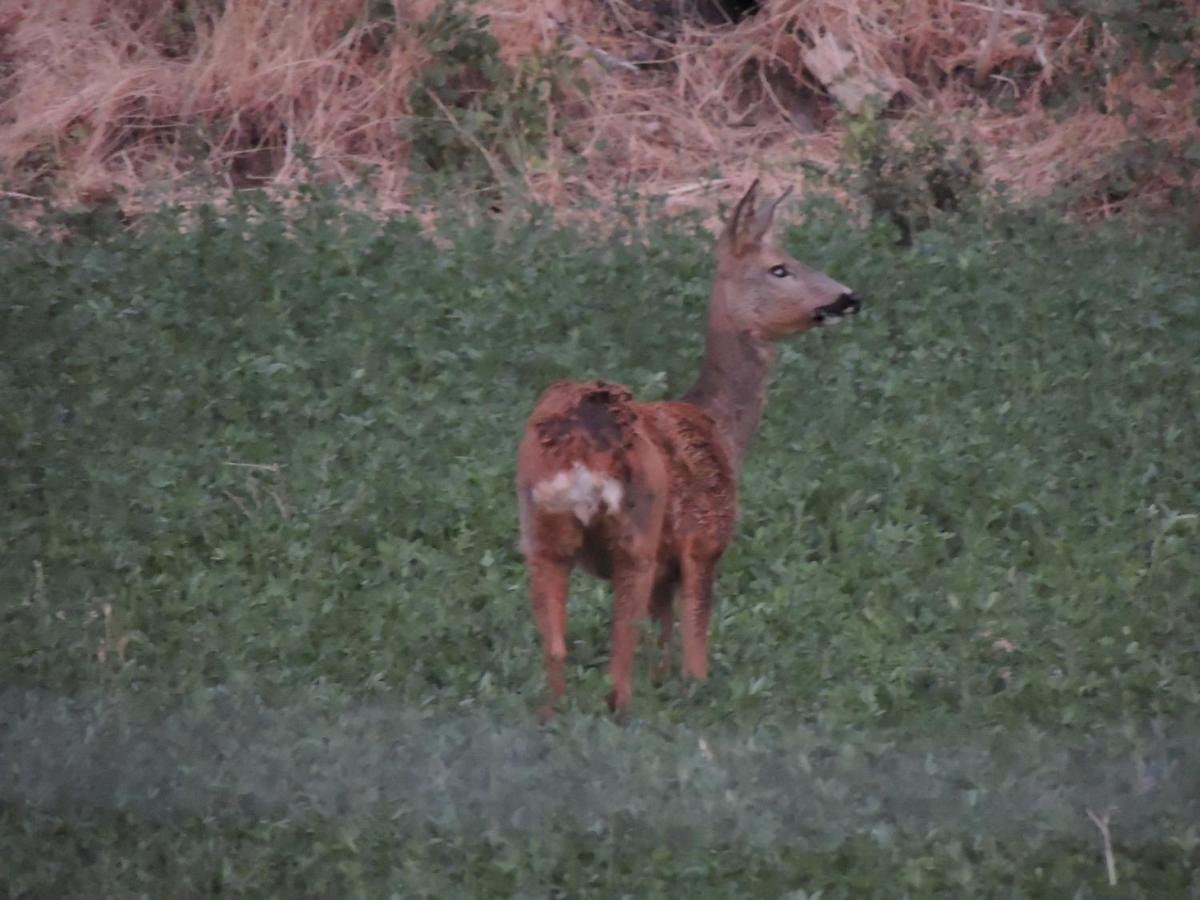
x,y
908,181
475,116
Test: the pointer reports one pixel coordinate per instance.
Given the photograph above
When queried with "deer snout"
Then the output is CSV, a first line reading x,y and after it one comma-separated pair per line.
x,y
847,304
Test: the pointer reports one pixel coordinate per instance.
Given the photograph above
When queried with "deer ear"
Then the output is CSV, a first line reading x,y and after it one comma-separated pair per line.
x,y
739,229
762,221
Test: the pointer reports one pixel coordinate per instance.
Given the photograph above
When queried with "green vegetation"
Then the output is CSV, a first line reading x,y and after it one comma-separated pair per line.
x,y
264,621
475,117
907,184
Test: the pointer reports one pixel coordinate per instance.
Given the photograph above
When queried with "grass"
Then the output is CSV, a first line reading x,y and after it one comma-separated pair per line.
x,y
264,618
105,99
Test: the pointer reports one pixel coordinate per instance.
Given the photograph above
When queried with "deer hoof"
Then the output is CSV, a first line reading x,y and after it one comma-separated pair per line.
x,y
618,704
661,671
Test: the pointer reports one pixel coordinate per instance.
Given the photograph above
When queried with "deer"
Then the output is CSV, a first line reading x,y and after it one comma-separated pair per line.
x,y
644,494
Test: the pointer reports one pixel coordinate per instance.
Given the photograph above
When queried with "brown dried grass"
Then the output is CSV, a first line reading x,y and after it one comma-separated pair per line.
x,y
101,98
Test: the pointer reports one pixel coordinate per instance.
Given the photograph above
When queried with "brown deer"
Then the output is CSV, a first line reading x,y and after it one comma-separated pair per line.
x,y
645,494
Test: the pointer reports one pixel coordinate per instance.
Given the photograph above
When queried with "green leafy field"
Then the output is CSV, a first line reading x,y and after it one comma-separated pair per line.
x,y
264,622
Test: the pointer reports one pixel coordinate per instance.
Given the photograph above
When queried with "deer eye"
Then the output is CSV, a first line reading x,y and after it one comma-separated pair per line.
x,y
779,271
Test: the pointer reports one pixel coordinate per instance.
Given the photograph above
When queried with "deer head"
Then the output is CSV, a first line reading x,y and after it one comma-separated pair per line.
x,y
762,291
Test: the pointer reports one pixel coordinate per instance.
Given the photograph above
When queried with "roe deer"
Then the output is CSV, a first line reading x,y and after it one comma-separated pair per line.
x,y
645,494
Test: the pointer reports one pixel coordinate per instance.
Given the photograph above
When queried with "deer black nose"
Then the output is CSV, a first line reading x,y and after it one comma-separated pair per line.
x,y
846,304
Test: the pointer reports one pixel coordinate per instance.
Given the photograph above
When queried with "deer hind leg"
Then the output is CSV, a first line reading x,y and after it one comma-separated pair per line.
x,y
661,603
548,581
697,570
635,550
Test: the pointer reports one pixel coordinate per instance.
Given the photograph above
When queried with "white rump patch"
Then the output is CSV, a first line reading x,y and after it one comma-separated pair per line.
x,y
580,491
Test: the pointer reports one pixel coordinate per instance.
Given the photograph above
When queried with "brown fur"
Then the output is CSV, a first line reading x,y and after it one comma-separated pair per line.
x,y
645,494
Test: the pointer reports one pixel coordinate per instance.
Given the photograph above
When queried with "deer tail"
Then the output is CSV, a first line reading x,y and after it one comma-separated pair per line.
x,y
584,435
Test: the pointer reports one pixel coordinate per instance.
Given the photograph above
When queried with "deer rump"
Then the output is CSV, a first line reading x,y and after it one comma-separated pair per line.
x,y
603,479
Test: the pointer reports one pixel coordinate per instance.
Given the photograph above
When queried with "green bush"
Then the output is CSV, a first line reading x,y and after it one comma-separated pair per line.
x,y
913,182
473,114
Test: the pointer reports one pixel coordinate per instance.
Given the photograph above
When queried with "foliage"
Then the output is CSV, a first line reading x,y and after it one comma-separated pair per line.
x,y
1160,31
908,181
265,622
182,19
474,113
1141,48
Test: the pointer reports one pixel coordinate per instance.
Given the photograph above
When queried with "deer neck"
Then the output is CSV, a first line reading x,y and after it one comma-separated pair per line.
x,y
732,385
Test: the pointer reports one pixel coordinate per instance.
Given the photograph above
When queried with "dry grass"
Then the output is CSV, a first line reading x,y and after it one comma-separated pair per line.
x,y
101,98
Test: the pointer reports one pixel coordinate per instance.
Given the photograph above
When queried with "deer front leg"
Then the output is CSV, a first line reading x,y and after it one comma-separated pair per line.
x,y
548,581
660,607
697,570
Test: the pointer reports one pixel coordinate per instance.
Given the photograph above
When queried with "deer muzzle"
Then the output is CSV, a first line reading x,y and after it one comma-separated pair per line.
x,y
846,305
